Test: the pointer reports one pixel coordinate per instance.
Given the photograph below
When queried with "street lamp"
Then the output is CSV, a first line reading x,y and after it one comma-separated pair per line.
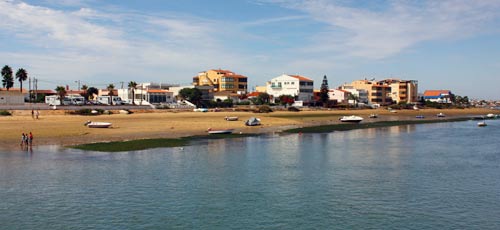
x,y
78,84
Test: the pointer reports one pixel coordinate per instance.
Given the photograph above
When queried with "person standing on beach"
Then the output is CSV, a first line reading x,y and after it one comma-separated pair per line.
x,y
23,139
37,113
31,139
33,114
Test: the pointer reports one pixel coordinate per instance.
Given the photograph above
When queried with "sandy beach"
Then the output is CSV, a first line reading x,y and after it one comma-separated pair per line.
x,y
60,128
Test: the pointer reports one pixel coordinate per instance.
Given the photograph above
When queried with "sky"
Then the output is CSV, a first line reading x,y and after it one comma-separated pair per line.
x,y
445,44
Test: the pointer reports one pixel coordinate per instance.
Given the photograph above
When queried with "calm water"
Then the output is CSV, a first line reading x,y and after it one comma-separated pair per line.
x,y
437,176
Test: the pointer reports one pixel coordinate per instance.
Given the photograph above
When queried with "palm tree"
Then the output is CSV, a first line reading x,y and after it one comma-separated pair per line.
x,y
21,76
132,86
353,97
85,94
110,88
61,91
7,81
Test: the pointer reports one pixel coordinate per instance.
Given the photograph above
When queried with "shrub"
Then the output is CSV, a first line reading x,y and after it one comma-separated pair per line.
x,y
263,109
5,113
87,112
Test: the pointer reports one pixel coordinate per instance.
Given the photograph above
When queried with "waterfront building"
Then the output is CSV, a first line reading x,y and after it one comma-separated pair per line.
x,y
12,96
378,93
295,85
360,94
402,90
339,95
439,96
222,80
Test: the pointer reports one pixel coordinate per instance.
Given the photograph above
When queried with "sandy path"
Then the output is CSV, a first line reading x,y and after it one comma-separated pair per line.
x,y
63,129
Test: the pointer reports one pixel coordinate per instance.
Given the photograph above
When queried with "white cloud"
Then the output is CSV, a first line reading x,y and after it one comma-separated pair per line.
x,y
380,34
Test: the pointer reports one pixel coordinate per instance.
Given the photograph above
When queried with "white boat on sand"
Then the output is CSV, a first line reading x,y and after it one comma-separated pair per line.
x,y
352,118
441,115
253,121
231,118
220,131
94,124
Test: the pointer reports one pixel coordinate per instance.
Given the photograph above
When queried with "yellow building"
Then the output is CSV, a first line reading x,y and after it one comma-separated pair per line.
x,y
222,81
403,90
378,93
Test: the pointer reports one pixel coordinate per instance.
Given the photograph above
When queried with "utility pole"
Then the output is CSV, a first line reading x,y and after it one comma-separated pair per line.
x,y
78,84
121,83
29,89
36,88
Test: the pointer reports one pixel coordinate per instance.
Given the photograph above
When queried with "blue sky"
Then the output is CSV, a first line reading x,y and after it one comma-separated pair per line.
x,y
443,44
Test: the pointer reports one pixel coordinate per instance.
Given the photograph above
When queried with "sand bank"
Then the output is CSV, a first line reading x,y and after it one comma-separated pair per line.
x,y
58,128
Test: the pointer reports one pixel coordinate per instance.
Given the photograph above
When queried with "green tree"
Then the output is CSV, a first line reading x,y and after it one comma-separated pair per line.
x,y
132,85
110,89
262,98
191,94
91,91
61,92
21,76
324,98
7,80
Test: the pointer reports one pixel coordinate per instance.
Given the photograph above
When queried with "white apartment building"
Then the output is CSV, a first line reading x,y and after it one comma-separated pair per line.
x,y
297,86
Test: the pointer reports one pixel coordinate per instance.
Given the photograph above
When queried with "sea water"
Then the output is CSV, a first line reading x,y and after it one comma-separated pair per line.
x,y
431,176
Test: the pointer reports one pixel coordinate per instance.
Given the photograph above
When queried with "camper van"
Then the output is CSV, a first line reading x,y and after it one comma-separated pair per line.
x,y
106,100
54,100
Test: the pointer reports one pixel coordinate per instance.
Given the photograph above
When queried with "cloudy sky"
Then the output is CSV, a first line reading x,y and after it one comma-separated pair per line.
x,y
446,44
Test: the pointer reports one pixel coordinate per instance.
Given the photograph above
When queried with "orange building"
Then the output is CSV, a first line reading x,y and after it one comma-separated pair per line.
x,y
222,81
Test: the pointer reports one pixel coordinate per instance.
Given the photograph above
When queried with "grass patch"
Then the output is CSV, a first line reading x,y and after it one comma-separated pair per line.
x,y
5,113
134,145
346,126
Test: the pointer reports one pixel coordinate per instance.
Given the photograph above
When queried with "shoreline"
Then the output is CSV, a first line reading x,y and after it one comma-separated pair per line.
x,y
68,130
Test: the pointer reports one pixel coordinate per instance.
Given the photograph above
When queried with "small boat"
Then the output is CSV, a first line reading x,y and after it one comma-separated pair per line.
x,y
481,124
352,118
415,107
420,116
373,115
490,115
94,124
200,110
220,131
231,118
441,115
253,121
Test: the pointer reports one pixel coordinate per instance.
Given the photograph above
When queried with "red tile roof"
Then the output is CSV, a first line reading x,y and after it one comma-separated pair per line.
x,y
431,93
301,78
253,94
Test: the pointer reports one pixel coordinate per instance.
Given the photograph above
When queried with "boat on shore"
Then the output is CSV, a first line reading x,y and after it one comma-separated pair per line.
x,y
373,115
220,131
441,115
253,121
352,119
420,116
94,124
230,118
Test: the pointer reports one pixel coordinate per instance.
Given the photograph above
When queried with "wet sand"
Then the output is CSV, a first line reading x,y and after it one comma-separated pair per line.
x,y
60,128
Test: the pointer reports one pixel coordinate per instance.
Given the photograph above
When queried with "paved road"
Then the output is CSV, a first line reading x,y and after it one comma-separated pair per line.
x,y
43,106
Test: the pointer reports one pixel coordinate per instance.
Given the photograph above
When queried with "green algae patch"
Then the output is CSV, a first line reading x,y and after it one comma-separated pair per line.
x,y
141,144
132,145
380,124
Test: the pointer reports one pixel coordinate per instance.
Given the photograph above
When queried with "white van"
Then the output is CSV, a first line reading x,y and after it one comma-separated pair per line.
x,y
106,100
